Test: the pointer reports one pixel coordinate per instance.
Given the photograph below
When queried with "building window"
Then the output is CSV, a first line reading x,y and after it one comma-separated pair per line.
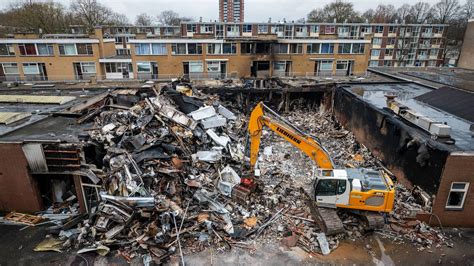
x,y
84,49
344,48
327,48
377,41
194,48
10,68
178,48
195,67
159,49
122,51
313,48
143,67
279,66
30,69
247,28
213,66
389,52
358,48
191,28
325,65
45,49
27,49
263,29
296,48
246,48
329,29
229,48
375,53
6,49
457,195
392,29
378,29
206,28
88,67
142,49
75,49
314,28
342,65
280,48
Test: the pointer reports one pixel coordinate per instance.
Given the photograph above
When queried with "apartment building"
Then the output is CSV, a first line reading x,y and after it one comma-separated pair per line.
x,y
231,10
54,57
217,50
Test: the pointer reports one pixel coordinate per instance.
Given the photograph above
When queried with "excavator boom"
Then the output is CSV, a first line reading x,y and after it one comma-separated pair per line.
x,y
293,135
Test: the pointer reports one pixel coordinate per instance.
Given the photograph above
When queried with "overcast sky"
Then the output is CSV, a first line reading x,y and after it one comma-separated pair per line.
x,y
255,10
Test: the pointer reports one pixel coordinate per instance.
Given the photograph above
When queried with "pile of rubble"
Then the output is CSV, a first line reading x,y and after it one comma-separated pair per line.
x,y
170,165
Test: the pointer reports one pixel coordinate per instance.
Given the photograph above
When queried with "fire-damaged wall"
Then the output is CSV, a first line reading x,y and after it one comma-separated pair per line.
x,y
18,190
409,154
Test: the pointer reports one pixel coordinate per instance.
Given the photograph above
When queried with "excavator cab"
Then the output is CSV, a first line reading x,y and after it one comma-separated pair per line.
x,y
361,189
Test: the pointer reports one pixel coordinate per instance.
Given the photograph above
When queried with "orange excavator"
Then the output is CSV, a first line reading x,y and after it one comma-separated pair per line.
x,y
365,192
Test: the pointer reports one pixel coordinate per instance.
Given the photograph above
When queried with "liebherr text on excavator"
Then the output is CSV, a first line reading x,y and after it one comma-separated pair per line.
x,y
366,192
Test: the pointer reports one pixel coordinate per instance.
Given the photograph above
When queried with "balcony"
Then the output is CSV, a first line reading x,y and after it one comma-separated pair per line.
x,y
232,34
376,46
427,35
247,34
438,35
378,34
393,34
314,34
435,46
343,34
390,46
433,57
303,34
374,57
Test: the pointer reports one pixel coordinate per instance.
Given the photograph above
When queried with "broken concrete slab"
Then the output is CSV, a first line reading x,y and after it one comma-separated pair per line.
x,y
221,140
214,121
226,113
203,113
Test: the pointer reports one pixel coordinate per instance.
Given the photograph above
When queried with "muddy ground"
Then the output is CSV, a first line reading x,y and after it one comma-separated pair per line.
x,y
16,248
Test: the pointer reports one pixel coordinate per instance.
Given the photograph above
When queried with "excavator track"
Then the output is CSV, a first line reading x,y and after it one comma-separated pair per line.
x,y
326,218
372,221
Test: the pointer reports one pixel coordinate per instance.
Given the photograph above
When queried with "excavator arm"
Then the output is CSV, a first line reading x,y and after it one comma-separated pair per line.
x,y
307,144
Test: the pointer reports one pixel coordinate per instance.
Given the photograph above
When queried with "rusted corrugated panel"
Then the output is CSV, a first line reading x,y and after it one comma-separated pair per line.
x,y
18,190
10,117
35,157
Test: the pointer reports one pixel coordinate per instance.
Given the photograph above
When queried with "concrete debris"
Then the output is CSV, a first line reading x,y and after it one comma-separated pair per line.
x,y
162,190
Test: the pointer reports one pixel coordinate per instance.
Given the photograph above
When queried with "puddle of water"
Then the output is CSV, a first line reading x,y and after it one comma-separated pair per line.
x,y
385,260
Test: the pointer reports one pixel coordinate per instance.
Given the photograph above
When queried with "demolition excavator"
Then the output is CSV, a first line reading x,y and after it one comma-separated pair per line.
x,y
368,193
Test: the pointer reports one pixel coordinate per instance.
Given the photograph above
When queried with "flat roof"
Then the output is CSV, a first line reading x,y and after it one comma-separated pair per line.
x,y
436,77
39,119
405,94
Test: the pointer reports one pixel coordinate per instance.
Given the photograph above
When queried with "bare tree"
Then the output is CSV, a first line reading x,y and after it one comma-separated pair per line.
x,y
143,19
385,14
47,17
338,10
369,15
445,11
403,13
468,10
419,12
91,13
169,17
316,15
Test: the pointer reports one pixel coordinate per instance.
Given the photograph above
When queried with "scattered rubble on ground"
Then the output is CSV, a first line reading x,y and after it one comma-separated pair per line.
x,y
170,165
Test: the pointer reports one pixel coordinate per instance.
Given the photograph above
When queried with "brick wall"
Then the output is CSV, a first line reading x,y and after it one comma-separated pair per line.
x,y
459,167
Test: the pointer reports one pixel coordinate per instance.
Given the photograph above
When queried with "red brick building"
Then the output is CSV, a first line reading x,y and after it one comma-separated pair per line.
x,y
231,10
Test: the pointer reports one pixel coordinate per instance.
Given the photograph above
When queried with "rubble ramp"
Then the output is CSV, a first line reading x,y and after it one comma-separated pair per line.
x,y
326,218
